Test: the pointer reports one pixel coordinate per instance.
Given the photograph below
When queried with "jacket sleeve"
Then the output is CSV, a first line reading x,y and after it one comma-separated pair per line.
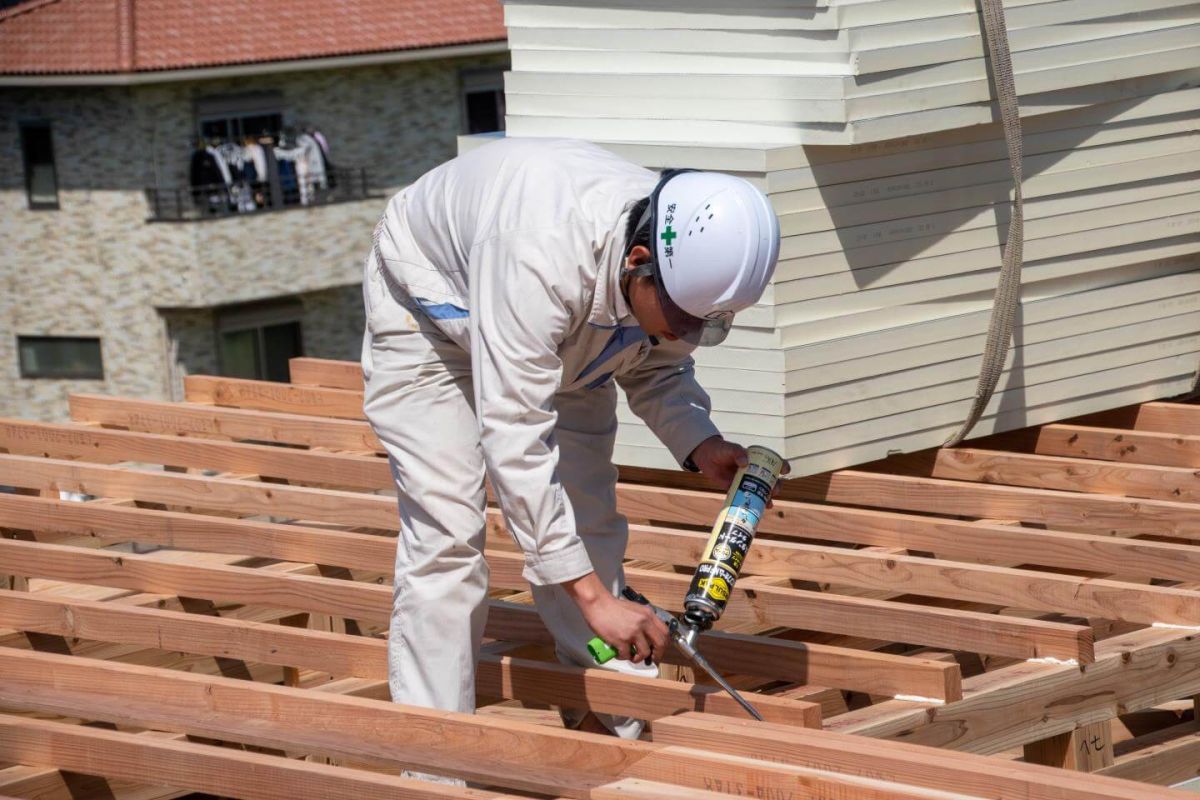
x,y
522,306
663,391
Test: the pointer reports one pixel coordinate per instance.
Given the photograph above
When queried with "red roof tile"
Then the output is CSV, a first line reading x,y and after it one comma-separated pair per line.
x,y
99,36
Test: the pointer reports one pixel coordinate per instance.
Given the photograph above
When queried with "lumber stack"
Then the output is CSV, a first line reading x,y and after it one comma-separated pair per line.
x,y
870,126
220,575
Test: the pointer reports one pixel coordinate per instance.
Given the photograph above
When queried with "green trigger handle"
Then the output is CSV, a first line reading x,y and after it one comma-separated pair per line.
x,y
602,652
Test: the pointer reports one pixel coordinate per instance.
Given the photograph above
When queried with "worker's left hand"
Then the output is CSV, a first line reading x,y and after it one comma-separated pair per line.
x,y
719,460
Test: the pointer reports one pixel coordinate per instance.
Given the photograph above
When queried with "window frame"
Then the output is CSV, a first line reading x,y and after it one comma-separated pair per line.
x,y
256,317
27,374
476,81
31,204
233,108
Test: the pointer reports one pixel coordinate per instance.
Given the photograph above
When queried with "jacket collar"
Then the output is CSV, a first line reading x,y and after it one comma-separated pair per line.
x,y
609,309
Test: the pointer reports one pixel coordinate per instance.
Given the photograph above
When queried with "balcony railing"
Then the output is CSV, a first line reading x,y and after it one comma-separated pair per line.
x,y
193,203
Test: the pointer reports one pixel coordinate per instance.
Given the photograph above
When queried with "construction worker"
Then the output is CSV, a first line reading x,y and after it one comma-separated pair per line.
x,y
506,291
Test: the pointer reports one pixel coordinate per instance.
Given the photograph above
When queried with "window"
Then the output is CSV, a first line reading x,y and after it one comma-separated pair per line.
x,y
63,357
234,117
483,101
41,179
257,341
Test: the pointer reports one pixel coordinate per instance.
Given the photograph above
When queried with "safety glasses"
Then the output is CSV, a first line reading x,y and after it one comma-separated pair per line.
x,y
691,329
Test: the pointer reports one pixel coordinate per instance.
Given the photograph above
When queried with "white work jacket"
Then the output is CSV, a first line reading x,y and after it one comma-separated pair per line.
x,y
514,250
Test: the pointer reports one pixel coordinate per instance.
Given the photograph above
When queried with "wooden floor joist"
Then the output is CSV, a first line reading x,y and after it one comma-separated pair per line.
x,y
357,656
1058,566
204,768
948,770
518,755
1119,444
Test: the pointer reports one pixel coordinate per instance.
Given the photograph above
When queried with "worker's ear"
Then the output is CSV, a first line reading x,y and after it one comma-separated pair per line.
x,y
637,255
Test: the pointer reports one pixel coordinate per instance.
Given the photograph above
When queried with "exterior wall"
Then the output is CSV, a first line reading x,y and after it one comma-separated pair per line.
x,y
97,267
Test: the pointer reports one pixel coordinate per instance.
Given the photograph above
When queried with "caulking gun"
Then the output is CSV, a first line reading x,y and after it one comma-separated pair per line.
x,y
719,567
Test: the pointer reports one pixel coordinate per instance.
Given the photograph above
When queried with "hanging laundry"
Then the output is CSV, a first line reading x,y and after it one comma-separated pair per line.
x,y
258,157
314,161
330,177
289,181
221,165
209,179
242,173
274,185
320,137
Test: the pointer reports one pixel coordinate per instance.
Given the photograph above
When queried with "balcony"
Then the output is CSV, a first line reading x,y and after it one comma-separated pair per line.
x,y
220,201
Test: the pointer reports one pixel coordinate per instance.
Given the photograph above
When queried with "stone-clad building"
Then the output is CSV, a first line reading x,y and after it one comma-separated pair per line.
x,y
117,273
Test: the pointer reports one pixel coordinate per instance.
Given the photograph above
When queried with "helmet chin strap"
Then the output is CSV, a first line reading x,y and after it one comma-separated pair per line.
x,y
643,270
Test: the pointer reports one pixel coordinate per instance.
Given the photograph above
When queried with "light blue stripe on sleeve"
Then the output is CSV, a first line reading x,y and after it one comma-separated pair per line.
x,y
441,310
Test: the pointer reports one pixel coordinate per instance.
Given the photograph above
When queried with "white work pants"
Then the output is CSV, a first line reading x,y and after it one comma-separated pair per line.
x,y
418,398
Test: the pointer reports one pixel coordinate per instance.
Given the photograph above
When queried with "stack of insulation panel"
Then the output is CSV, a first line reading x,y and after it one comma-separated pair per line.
x,y
869,125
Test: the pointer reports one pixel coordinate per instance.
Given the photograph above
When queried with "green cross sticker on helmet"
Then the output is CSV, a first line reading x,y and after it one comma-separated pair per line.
x,y
721,258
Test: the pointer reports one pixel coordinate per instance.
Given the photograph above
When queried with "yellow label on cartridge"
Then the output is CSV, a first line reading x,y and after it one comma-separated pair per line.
x,y
718,589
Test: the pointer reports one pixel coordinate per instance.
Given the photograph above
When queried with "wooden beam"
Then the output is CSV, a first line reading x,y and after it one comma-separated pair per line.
x,y
1009,587
341,598
1093,513
947,538
196,419
634,789
830,665
1119,516
204,768
769,606
340,655
111,447
326,372
856,616
1180,419
1119,444
1056,509
788,607
247,498
272,396
946,769
53,784
902,574
506,753
798,661
628,695
1085,749
1022,703
1164,758
780,659
203,533
1067,474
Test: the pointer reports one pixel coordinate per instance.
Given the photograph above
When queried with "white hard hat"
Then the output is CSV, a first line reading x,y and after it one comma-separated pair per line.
x,y
716,245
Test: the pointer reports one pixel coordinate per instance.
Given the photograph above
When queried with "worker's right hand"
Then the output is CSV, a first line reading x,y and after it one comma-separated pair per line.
x,y
629,628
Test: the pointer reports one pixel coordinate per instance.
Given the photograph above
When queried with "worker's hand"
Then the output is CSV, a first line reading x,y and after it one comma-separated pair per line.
x,y
719,460
620,623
